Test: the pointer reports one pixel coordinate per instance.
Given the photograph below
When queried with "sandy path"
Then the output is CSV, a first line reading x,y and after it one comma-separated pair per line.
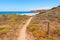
x,y
22,33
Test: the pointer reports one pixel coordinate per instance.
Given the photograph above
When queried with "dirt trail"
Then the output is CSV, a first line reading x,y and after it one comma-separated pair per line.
x,y
22,33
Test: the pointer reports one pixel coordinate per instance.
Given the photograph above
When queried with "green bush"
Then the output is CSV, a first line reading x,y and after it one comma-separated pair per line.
x,y
11,22
4,30
35,22
48,38
39,33
58,17
57,31
32,26
59,6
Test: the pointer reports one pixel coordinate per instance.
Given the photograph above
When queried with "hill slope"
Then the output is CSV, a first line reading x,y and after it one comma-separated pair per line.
x,y
45,26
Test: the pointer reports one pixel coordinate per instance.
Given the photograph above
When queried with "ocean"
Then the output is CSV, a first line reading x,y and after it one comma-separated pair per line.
x,y
19,12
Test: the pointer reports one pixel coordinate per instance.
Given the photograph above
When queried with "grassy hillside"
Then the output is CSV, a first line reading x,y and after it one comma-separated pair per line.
x,y
10,24
46,26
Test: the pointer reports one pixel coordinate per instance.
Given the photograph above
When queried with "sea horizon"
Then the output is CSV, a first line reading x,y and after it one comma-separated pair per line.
x,y
19,12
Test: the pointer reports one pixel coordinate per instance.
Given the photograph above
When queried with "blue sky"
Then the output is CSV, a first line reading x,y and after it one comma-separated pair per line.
x,y
26,5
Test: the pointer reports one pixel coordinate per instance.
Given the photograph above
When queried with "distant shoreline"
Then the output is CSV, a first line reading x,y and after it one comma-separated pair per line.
x,y
19,12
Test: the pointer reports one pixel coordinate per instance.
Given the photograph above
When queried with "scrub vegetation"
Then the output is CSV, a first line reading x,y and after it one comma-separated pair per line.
x,y
10,25
46,25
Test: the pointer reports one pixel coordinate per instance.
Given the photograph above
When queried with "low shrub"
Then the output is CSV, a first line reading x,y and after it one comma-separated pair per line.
x,y
4,30
57,31
39,33
48,38
32,26
58,17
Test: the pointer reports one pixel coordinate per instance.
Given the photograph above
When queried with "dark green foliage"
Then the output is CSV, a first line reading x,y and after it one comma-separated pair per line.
x,y
57,31
4,30
59,6
54,8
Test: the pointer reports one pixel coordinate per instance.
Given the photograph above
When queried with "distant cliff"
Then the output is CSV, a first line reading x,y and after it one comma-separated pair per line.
x,y
39,10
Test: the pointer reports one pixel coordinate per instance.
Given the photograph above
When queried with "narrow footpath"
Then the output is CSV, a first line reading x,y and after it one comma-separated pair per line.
x,y
22,33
